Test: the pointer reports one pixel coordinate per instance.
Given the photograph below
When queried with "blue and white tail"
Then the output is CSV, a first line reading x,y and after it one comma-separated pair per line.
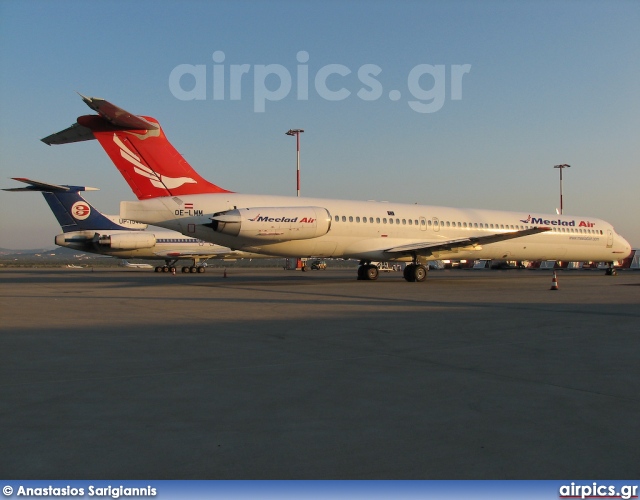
x,y
72,211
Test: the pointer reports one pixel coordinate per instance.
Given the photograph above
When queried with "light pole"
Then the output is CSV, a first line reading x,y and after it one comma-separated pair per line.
x,y
561,167
297,132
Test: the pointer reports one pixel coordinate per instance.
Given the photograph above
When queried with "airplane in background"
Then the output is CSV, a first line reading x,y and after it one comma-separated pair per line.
x,y
125,263
85,228
173,195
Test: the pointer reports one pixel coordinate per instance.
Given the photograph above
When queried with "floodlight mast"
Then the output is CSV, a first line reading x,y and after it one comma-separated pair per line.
x,y
561,167
297,132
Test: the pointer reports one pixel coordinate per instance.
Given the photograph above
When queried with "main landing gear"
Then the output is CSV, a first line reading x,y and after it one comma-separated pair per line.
x,y
193,269
170,267
414,272
367,271
165,269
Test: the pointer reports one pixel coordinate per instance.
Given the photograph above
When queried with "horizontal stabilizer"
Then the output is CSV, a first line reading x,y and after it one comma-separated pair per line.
x,y
110,113
46,187
75,133
118,116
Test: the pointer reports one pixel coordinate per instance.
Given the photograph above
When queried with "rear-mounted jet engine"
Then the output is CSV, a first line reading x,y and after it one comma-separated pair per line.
x,y
273,223
127,241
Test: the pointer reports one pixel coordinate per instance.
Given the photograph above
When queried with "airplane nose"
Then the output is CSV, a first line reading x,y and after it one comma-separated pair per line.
x,y
624,247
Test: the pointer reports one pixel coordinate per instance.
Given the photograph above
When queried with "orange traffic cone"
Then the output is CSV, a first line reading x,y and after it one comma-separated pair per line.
x,y
225,274
554,282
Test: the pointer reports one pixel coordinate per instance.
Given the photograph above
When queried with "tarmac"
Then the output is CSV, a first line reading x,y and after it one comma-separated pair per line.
x,y
272,374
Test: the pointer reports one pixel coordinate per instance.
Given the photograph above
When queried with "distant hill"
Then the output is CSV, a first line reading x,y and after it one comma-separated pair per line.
x,y
34,251
57,257
29,251
51,257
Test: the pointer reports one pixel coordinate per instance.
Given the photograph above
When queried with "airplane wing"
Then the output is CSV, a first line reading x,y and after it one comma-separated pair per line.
x,y
220,251
429,248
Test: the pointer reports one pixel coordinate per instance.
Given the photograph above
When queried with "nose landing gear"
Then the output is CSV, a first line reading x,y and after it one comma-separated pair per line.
x,y
611,271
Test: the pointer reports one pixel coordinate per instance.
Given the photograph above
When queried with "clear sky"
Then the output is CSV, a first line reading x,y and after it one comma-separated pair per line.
x,y
455,103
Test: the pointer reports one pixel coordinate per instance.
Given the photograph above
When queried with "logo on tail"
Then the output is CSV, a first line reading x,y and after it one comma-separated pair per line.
x,y
80,210
157,180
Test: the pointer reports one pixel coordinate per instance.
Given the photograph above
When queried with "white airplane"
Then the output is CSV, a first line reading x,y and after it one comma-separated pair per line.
x,y
173,195
85,228
135,265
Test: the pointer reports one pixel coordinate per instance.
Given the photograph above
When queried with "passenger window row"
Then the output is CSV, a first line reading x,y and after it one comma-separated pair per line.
x,y
378,220
463,225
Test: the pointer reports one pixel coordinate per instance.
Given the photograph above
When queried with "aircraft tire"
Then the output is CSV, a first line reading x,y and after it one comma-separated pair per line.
x,y
371,272
165,269
201,269
185,269
420,273
409,273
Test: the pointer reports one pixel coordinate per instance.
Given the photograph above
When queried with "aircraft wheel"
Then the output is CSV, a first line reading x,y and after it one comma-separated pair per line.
x,y
201,269
409,272
172,269
158,269
420,273
185,269
193,269
165,269
361,272
371,273
304,269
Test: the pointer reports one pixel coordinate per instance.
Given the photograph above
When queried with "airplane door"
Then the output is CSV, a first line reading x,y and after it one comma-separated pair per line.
x,y
609,238
436,224
423,223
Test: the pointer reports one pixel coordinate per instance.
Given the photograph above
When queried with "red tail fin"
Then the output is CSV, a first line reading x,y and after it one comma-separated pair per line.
x,y
146,159
139,149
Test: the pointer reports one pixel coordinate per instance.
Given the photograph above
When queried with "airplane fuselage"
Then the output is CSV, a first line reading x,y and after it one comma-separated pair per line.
x,y
366,230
